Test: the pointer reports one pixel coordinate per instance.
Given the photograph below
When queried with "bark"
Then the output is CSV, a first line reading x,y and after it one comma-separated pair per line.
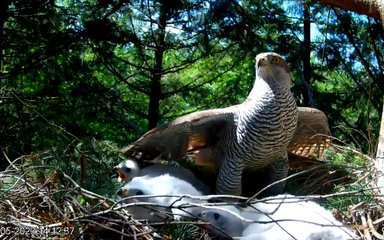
x,y
380,4
367,7
3,19
380,146
380,156
155,88
306,58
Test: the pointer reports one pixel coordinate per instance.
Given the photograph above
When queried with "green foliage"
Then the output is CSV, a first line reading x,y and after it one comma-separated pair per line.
x,y
180,231
359,194
348,69
112,69
100,157
98,68
84,78
347,157
7,183
88,162
356,190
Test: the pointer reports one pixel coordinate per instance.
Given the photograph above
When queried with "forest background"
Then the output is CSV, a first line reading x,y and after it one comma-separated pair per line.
x,y
112,69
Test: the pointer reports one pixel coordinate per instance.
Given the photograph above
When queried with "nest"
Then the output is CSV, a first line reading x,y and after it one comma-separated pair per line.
x,y
347,184
38,201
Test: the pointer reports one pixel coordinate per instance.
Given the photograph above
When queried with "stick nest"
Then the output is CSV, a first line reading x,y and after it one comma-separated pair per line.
x,y
41,201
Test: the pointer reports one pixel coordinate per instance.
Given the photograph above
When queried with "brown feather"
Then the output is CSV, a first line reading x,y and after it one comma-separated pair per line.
x,y
312,134
184,135
194,134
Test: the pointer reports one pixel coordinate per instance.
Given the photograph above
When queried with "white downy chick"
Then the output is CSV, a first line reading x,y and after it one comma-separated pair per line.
x,y
282,217
129,169
160,185
287,217
224,220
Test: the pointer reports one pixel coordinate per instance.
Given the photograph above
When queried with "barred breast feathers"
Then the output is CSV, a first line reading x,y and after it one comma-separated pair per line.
x,y
268,117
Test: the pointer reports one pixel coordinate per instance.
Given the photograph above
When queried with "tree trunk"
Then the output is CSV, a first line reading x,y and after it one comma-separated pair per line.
x,y
373,8
3,19
367,7
306,57
380,4
380,146
155,89
380,156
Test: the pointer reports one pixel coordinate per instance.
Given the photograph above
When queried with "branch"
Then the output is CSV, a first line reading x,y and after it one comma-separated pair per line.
x,y
350,72
125,79
189,87
359,54
42,117
130,123
376,51
361,7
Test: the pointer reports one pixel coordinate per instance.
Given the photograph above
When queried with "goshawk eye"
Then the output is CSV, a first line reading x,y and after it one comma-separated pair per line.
x,y
276,60
127,169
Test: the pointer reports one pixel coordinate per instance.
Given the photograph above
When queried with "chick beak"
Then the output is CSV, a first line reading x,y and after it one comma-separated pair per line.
x,y
121,178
